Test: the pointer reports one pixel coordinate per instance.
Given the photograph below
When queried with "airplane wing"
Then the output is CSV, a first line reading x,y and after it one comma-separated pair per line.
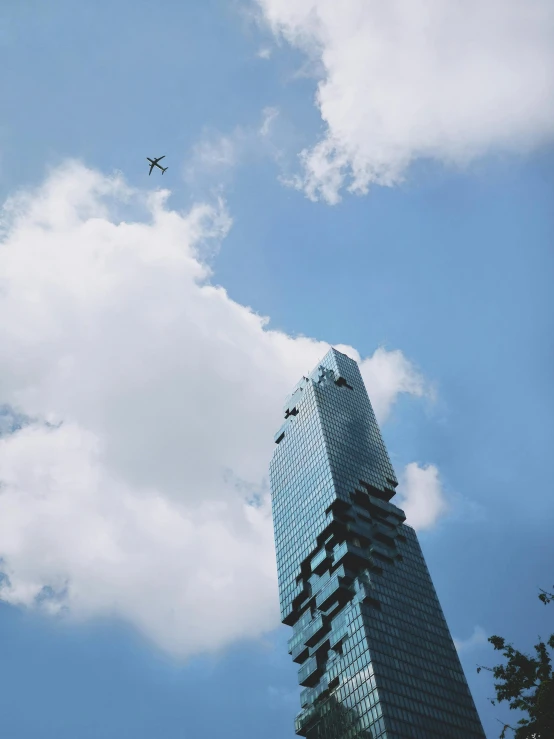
x,y
159,159
151,168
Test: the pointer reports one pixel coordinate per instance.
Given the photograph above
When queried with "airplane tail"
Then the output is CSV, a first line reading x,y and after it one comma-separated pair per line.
x,y
163,169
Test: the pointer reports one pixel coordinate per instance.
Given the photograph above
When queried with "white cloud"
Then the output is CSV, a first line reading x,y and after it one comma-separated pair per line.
x,y
475,640
408,79
269,116
220,151
217,155
264,53
163,395
421,495
386,374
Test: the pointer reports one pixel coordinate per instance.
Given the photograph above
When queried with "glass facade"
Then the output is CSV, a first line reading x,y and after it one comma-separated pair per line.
x,y
374,653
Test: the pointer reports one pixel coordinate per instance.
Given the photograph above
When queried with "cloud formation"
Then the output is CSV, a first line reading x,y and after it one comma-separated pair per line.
x,y
408,79
217,155
421,495
145,495
475,640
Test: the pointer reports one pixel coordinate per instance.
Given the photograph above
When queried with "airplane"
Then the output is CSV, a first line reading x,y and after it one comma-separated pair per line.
x,y
154,163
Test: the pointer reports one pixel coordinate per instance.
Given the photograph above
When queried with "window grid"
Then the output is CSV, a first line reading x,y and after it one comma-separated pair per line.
x,y
375,654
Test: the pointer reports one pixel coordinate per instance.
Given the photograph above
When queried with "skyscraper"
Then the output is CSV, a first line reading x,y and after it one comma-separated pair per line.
x,y
375,654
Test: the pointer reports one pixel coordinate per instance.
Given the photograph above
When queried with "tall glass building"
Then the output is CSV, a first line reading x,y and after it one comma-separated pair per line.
x,y
374,653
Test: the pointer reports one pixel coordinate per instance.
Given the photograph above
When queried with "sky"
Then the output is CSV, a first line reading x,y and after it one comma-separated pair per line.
x,y
375,178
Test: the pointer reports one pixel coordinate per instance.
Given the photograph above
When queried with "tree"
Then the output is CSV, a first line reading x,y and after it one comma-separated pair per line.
x,y
527,684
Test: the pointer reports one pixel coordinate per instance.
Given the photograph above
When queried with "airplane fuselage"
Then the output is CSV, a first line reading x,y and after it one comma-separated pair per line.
x,y
155,163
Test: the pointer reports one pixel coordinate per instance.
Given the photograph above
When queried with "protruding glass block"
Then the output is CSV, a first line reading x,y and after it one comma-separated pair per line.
x,y
376,656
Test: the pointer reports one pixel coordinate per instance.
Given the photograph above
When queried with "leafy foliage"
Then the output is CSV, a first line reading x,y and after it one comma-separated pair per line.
x,y
527,684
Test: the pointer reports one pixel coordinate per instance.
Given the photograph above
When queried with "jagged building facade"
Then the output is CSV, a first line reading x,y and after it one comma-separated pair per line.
x,y
375,655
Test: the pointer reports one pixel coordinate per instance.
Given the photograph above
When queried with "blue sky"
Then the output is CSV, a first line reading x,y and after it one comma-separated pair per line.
x,y
450,266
